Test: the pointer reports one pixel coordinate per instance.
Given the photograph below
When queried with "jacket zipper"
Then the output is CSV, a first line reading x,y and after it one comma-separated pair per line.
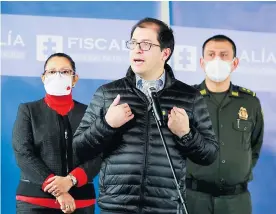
x,y
145,164
146,153
66,150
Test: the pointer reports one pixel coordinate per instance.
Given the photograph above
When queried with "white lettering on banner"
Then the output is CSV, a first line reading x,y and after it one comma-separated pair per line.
x,y
48,44
184,58
114,44
13,55
12,40
98,44
261,56
100,58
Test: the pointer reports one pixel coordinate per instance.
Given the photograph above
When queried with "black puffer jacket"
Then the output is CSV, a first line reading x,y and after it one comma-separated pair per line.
x,y
135,176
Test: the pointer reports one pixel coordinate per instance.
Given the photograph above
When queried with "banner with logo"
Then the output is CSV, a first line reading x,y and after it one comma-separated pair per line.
x,y
257,68
100,53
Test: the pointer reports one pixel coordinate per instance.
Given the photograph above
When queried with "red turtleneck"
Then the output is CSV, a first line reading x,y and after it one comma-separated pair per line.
x,y
61,104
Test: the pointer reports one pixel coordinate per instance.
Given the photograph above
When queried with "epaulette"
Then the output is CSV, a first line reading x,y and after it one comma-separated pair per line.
x,y
247,91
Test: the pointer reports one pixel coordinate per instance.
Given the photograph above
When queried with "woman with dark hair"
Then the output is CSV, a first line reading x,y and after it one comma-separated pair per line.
x,y
51,180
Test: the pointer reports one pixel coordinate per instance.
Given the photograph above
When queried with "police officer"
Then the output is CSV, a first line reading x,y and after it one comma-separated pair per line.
x,y
237,118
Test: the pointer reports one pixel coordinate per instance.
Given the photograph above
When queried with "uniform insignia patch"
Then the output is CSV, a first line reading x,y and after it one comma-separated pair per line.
x,y
243,115
245,90
203,92
235,93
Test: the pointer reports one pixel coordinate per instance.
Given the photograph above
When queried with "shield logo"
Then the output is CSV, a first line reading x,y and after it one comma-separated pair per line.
x,y
243,115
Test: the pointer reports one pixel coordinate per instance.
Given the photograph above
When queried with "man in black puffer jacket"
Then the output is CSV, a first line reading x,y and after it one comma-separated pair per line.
x,y
135,175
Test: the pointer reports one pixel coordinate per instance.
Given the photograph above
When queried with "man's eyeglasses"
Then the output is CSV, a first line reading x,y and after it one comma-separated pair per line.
x,y
144,46
63,72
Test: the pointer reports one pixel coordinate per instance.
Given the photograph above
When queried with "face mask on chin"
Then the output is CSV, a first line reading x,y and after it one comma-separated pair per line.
x,y
58,85
218,70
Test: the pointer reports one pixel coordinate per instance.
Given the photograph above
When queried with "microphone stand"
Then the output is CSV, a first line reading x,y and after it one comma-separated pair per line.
x,y
159,124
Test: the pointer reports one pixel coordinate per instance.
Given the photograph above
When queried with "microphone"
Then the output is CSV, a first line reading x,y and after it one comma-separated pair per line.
x,y
157,113
152,92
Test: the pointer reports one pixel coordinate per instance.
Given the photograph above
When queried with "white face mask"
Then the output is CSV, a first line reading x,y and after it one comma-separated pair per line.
x,y
218,70
58,85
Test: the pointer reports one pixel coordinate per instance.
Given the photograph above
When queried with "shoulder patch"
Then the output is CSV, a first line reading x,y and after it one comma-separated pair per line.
x,y
235,93
247,91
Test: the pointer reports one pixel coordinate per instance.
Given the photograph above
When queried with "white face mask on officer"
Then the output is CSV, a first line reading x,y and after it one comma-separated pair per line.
x,y
218,70
58,85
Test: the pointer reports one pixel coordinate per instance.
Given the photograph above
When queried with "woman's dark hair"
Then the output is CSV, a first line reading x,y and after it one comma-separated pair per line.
x,y
62,55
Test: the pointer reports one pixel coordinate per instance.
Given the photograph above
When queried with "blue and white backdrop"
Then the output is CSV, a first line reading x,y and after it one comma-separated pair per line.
x,y
94,34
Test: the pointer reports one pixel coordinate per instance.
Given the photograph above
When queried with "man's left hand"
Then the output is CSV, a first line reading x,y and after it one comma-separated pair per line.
x,y
178,122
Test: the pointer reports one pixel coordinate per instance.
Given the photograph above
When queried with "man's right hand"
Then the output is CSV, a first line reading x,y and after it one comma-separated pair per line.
x,y
117,115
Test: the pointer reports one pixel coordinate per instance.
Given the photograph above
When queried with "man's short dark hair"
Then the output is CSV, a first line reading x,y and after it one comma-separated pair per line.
x,y
73,65
220,38
165,33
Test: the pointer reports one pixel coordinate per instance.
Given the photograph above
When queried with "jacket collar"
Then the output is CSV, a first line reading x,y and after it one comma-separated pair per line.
x,y
169,80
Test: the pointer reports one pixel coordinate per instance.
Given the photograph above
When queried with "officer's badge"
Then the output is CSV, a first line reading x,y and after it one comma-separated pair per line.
x,y
243,115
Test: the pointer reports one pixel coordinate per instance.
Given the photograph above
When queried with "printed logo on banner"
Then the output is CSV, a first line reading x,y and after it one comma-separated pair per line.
x,y
184,58
47,45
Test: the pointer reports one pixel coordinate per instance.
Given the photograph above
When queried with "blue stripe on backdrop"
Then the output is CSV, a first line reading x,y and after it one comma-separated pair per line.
x,y
102,10
244,16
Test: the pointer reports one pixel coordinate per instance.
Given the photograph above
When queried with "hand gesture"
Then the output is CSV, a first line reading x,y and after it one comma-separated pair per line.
x,y
117,115
178,122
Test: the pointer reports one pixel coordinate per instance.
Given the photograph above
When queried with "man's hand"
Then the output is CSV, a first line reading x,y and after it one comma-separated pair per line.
x,y
178,122
118,115
67,203
58,185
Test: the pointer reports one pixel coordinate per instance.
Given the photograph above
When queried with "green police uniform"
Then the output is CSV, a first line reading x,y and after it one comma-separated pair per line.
x,y
221,188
